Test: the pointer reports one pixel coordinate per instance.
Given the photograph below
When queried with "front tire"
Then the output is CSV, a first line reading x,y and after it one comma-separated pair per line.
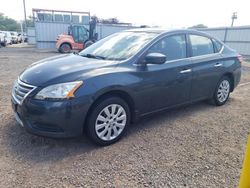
x,y
65,48
222,91
108,121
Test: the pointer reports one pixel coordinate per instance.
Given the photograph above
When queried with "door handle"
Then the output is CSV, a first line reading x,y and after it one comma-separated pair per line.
x,y
218,65
185,71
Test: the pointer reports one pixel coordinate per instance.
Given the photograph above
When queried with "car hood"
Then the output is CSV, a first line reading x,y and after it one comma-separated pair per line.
x,y
63,68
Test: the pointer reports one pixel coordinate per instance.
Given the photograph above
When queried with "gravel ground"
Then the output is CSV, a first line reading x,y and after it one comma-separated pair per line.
x,y
194,146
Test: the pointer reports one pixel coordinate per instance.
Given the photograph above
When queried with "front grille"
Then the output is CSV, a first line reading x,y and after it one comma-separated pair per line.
x,y
21,90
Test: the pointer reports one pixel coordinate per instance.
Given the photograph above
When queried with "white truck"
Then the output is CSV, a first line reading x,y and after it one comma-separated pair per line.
x,y
14,37
8,38
2,39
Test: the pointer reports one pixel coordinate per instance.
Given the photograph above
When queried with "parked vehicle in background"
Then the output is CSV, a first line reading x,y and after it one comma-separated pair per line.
x,y
78,38
122,78
2,39
14,37
8,37
19,38
25,38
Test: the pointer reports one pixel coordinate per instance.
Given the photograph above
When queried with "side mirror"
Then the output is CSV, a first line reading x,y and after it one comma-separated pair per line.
x,y
155,58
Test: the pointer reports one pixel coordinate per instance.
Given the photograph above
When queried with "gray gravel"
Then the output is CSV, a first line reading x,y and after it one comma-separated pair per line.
x,y
194,146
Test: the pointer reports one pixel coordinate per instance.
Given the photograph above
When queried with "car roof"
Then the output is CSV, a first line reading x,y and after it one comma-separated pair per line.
x,y
149,30
166,31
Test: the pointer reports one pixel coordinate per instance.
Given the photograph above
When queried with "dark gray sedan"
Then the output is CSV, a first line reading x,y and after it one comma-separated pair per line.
x,y
122,78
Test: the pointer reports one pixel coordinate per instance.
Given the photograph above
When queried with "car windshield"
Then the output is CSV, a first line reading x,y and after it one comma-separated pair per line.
x,y
119,46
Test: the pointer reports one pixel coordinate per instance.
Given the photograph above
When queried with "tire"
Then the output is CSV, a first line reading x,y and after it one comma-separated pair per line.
x,y
65,48
88,43
104,130
222,91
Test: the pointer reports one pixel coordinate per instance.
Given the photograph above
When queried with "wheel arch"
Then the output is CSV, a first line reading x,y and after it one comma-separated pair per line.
x,y
66,42
118,93
231,77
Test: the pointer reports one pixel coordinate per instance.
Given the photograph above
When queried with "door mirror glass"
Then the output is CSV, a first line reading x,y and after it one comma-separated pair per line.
x,y
155,58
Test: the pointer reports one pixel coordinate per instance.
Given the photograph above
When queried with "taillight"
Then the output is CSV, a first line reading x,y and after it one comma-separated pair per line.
x,y
240,58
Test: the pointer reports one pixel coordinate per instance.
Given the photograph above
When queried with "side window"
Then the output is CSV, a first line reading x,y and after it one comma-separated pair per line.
x,y
201,45
82,34
75,33
217,45
174,47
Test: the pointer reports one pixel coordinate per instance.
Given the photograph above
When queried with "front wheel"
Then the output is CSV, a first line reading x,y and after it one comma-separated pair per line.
x,y
222,91
108,121
65,48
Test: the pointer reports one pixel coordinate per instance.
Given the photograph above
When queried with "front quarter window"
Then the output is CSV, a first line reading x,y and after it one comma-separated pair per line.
x,y
119,46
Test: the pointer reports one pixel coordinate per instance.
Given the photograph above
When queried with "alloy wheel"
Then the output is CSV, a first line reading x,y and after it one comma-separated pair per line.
x,y
110,122
223,91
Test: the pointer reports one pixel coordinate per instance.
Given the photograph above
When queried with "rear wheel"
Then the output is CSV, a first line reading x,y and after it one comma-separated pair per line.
x,y
88,43
65,48
108,121
222,91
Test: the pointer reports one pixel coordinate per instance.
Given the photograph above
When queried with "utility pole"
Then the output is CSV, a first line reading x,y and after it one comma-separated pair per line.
x,y
234,16
21,23
25,21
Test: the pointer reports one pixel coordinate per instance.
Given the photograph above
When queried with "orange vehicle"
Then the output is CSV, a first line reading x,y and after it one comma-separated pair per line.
x,y
78,38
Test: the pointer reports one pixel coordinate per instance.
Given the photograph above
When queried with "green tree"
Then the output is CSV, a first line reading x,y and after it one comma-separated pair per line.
x,y
198,26
8,24
30,22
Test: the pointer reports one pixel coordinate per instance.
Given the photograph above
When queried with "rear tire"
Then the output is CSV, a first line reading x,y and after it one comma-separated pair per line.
x,y
222,91
65,48
88,43
108,121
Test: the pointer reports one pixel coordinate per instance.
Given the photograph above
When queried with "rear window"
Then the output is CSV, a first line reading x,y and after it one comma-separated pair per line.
x,y
201,45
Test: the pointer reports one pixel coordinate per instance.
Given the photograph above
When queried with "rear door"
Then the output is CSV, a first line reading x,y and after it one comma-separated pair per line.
x,y
207,67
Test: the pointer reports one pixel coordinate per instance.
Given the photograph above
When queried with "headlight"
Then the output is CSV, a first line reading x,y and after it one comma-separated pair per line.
x,y
59,91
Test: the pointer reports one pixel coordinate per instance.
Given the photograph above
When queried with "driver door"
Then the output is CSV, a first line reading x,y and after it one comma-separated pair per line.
x,y
170,82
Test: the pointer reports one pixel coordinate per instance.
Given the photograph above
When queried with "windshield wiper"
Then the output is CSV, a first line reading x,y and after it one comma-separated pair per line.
x,y
93,56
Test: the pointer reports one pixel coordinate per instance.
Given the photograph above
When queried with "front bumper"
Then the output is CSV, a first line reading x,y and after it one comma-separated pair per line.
x,y
59,119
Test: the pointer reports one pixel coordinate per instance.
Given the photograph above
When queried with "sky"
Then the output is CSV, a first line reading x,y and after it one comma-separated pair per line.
x,y
164,13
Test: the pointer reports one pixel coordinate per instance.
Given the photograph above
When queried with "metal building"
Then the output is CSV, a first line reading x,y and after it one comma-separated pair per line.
x,y
237,38
50,23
